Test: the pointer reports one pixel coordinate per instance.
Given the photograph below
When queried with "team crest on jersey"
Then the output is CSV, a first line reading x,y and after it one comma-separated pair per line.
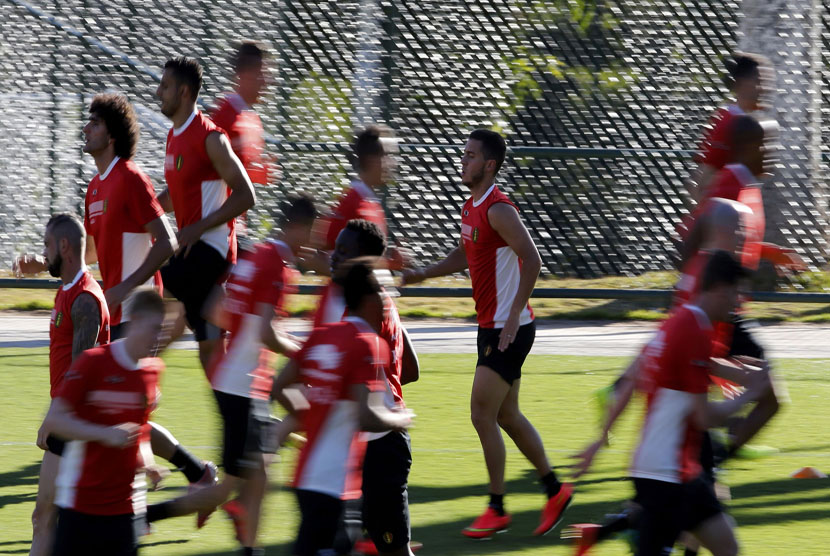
x,y
466,212
475,235
388,537
179,161
104,210
487,351
58,319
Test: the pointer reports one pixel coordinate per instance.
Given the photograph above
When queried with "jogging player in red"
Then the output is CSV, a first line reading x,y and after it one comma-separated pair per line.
x,y
504,265
80,320
101,408
342,367
385,503
207,188
242,376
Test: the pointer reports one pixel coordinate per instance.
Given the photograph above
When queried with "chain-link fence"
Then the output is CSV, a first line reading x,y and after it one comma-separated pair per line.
x,y
619,89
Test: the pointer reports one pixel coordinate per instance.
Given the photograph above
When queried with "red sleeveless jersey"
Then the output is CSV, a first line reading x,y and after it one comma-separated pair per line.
x,y
716,149
61,330
494,266
118,204
196,190
358,202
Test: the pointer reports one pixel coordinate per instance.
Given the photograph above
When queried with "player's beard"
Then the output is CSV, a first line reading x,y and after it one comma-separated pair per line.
x,y
475,179
54,267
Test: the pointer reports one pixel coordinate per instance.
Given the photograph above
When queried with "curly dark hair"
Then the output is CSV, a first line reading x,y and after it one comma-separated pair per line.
x,y
119,117
370,238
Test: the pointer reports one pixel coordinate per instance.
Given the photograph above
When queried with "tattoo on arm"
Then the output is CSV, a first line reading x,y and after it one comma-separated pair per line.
x,y
86,323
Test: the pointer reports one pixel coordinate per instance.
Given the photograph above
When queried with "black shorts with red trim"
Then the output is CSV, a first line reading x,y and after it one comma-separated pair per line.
x,y
246,433
508,363
320,518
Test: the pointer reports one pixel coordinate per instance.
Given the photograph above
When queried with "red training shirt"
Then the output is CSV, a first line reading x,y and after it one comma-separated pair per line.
x,y
716,149
61,329
104,386
359,202
119,203
245,131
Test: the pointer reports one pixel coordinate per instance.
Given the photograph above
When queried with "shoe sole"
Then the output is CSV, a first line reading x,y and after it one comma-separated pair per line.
x,y
488,537
558,521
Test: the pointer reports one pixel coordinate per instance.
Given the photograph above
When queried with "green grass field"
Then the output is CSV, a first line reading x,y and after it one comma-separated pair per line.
x,y
776,514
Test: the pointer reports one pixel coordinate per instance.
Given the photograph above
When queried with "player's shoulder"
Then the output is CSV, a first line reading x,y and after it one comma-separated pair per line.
x,y
93,357
153,365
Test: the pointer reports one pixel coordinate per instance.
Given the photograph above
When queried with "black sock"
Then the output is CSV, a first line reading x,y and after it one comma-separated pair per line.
x,y
551,484
614,523
253,551
187,463
690,552
497,503
158,511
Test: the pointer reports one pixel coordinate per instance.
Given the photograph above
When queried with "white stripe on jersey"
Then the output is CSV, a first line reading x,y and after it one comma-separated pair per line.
x,y
507,284
69,472
660,451
328,464
233,376
139,486
214,194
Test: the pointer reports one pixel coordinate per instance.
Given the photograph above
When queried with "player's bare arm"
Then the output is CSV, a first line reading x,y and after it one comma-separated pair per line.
x,y
290,374
86,323
242,195
165,201
505,220
269,333
61,421
455,261
411,368
28,264
373,415
90,252
164,245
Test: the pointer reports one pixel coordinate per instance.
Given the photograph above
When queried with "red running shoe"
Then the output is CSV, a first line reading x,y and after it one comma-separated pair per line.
x,y
487,524
554,508
365,546
239,516
584,536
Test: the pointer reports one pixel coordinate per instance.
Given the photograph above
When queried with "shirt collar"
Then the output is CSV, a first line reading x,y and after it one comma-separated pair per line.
x,y
702,317
743,174
359,322
119,353
476,203
365,191
75,279
106,173
179,130
235,100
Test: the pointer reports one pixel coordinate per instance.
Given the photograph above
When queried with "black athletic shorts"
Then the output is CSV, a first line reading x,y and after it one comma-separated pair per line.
x,y
669,509
320,516
246,432
507,363
191,280
117,331
742,341
79,534
55,445
385,499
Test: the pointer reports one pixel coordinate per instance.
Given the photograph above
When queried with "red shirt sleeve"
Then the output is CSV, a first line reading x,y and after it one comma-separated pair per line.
x,y
367,361
346,210
685,361
86,212
74,385
271,279
143,204
725,186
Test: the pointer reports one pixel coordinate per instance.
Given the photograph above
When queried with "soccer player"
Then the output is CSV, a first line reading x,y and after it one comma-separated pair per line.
x,y
504,265
373,151
749,77
342,369
242,377
101,407
207,188
666,466
79,321
386,466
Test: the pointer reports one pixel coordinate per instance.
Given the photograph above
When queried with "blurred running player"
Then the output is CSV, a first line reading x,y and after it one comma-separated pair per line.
x,y
234,113
342,367
504,265
80,320
373,151
385,504
242,377
207,188
749,77
101,407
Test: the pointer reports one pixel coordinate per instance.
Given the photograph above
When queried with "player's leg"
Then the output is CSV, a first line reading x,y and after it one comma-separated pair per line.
x,y
488,394
386,466
661,518
716,534
522,432
166,446
44,516
319,518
